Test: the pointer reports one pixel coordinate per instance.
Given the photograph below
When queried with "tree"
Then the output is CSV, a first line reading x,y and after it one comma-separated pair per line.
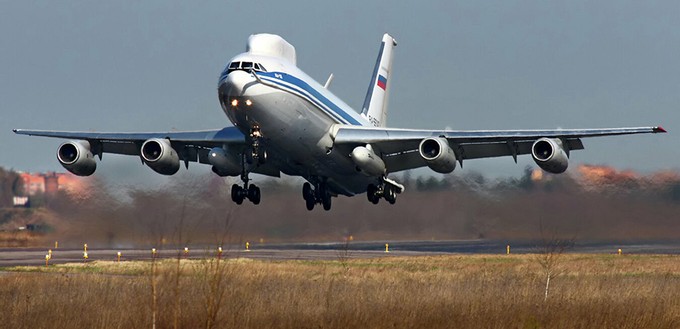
x,y
11,185
549,257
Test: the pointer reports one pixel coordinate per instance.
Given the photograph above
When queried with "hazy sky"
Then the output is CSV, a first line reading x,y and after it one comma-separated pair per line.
x,y
153,65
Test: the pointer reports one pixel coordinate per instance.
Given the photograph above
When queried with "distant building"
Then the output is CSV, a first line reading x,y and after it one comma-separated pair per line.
x,y
50,183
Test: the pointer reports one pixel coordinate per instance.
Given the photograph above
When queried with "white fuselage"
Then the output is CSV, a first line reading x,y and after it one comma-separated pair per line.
x,y
295,116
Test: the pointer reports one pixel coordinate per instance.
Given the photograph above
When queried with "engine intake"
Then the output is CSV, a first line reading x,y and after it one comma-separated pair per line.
x,y
438,154
549,154
77,158
159,155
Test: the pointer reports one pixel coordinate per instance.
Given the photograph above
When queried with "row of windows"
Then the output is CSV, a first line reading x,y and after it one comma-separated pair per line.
x,y
245,66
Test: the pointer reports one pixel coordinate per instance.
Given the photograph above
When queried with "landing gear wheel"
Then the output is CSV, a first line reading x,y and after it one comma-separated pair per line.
x,y
237,194
254,194
308,195
390,194
307,192
310,204
318,194
372,194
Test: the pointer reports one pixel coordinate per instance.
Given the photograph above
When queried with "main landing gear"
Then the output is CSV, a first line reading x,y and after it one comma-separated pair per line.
x,y
320,194
387,189
251,192
256,157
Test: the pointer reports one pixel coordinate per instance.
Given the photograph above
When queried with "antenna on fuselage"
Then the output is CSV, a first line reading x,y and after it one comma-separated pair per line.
x,y
328,82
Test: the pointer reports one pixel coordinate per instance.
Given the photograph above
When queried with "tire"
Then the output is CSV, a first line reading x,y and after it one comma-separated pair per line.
x,y
327,199
254,194
370,193
307,192
390,195
310,204
236,194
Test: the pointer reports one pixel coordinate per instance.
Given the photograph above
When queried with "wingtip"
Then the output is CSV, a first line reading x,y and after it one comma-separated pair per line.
x,y
659,129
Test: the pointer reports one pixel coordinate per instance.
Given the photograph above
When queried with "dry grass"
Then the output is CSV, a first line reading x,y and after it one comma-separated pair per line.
x,y
481,291
18,239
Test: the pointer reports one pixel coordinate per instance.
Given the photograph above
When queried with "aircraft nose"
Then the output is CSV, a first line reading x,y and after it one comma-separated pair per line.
x,y
236,82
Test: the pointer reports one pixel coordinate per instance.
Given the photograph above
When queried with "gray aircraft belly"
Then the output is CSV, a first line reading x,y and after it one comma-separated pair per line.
x,y
297,137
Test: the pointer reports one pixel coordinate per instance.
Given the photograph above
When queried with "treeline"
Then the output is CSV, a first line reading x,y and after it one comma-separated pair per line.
x,y
650,187
10,185
198,210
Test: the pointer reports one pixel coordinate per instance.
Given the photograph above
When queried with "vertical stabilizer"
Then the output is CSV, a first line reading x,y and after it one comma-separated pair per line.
x,y
375,105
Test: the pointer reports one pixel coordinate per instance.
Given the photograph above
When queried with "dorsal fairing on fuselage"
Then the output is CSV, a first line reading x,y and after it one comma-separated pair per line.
x,y
271,45
264,52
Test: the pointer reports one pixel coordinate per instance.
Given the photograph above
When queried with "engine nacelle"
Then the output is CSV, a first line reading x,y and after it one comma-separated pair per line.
x,y
438,154
368,163
77,158
223,164
159,155
549,154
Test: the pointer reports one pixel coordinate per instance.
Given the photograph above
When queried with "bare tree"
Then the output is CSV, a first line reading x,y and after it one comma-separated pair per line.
x,y
345,253
549,256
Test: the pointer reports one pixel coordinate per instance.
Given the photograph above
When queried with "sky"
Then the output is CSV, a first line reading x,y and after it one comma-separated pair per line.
x,y
154,65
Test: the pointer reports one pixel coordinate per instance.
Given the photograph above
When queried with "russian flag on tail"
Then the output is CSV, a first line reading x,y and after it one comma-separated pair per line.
x,y
382,81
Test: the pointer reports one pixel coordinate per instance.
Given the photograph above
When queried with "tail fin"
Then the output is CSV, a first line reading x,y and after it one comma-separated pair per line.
x,y
375,104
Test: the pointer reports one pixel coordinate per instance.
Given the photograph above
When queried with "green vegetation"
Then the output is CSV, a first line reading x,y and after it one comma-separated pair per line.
x,y
479,291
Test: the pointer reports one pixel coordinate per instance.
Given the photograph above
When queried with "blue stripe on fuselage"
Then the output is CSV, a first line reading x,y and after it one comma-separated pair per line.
x,y
314,95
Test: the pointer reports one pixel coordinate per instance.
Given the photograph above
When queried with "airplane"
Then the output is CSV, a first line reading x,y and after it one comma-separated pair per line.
x,y
286,122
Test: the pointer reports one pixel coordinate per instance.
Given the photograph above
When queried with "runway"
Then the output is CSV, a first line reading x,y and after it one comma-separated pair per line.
x,y
320,251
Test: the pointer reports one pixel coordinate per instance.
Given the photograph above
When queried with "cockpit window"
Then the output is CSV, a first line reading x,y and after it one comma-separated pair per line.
x,y
245,66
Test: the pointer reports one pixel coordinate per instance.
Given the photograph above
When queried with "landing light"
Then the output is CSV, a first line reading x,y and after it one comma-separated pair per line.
x,y
249,102
234,102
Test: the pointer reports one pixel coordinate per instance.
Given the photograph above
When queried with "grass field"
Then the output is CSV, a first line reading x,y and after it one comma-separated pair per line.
x,y
480,291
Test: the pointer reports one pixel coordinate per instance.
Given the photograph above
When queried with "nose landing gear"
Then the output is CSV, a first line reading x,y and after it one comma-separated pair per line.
x,y
256,156
248,191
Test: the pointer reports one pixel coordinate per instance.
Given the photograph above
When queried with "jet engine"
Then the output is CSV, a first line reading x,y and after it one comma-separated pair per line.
x,y
368,163
159,155
77,158
549,154
223,164
438,154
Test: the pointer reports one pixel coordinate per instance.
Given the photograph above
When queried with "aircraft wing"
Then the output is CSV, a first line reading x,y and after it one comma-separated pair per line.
x,y
399,147
191,146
